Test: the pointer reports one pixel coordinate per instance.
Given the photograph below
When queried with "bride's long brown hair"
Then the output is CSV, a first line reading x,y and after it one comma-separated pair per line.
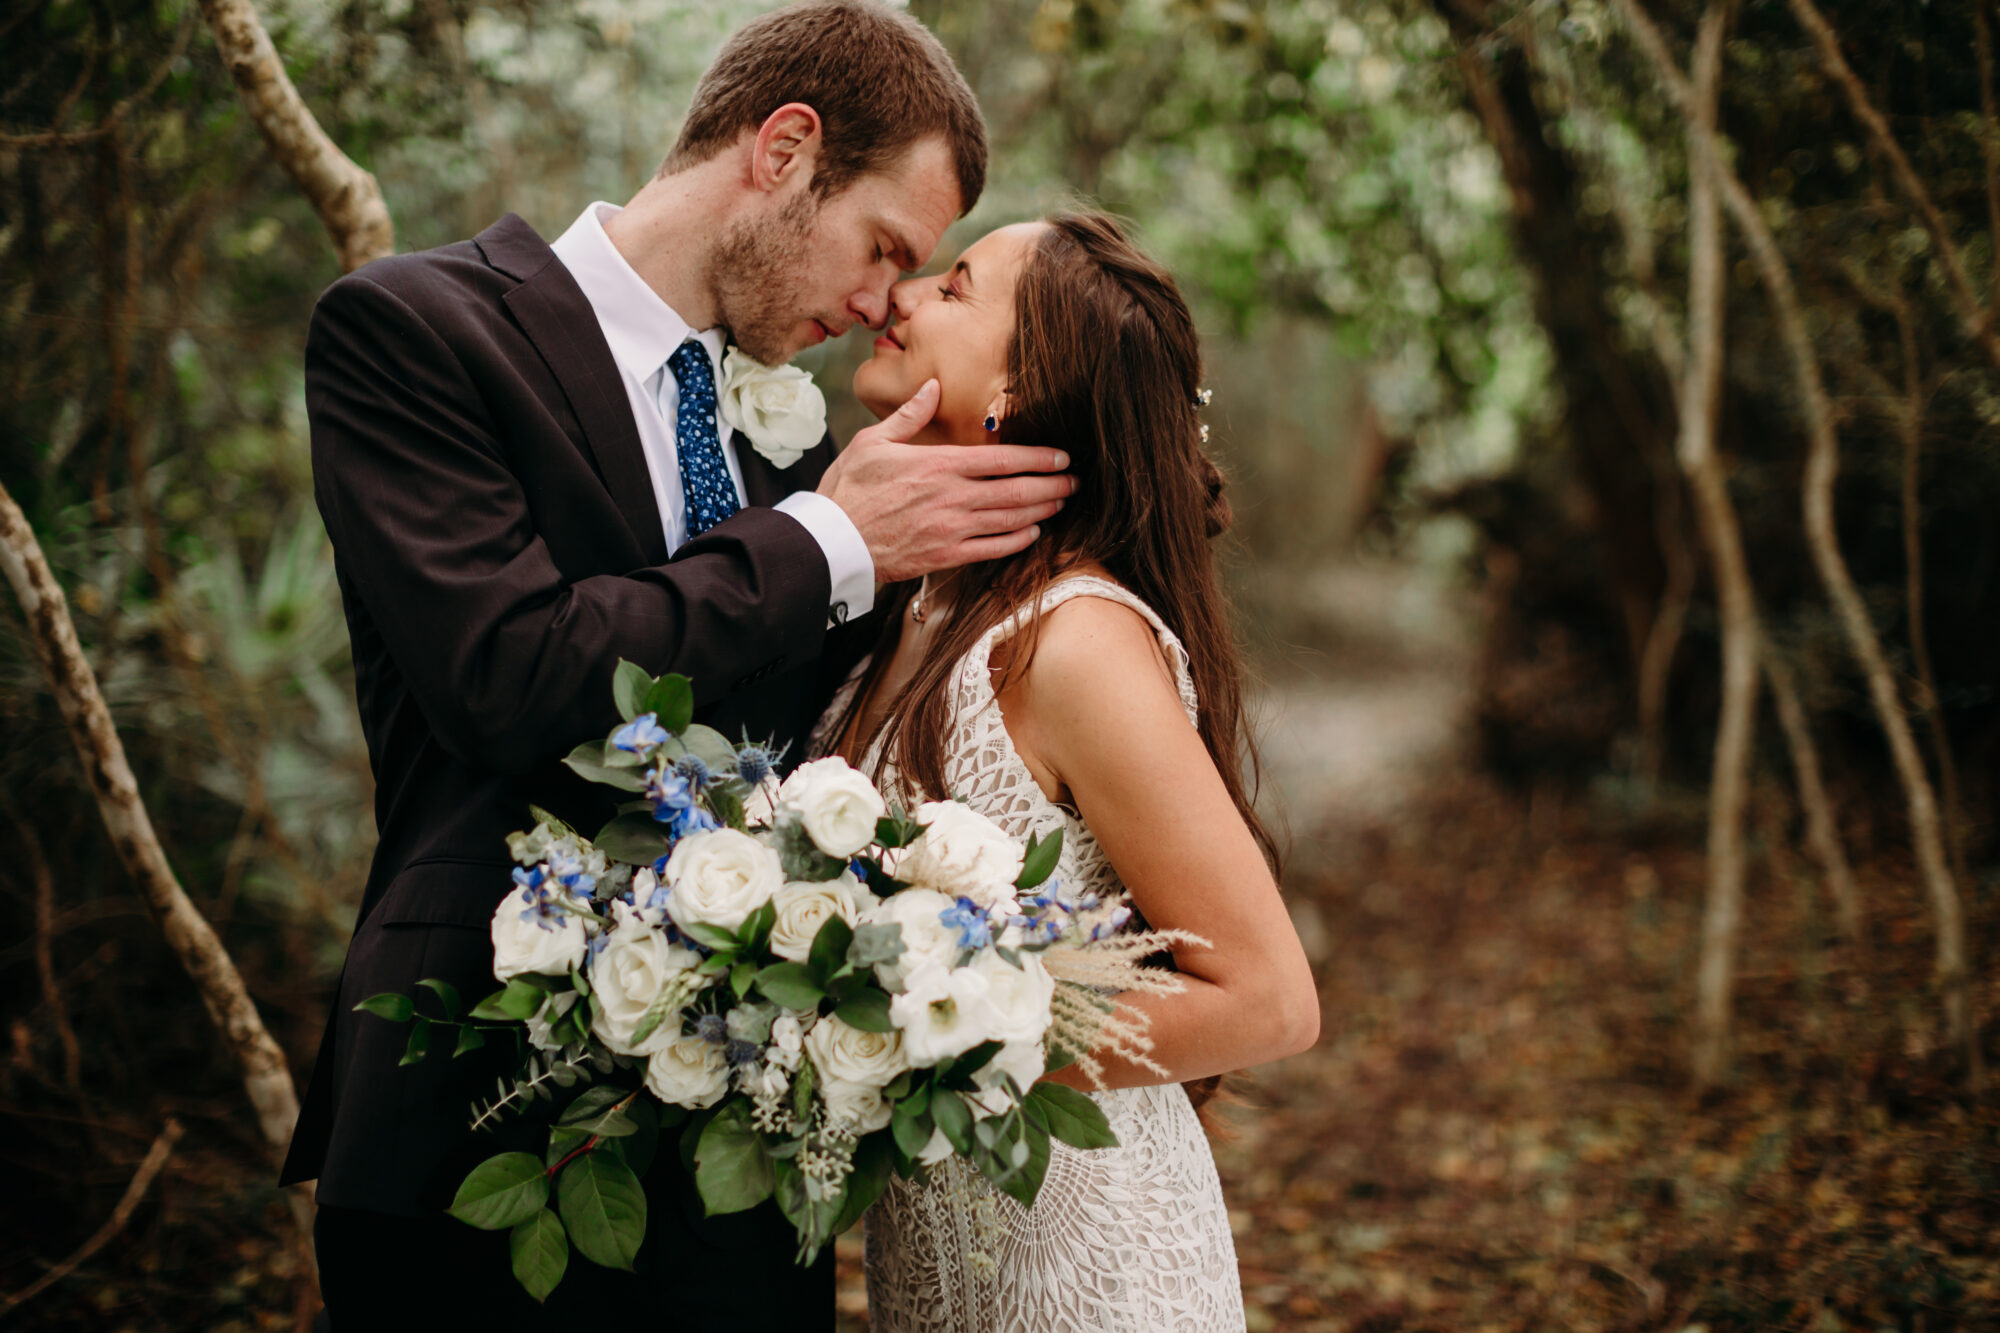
x,y
1104,363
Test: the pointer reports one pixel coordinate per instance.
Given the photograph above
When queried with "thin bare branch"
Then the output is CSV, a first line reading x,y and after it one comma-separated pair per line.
x,y
1822,830
347,199
142,1180
1822,466
1973,314
45,931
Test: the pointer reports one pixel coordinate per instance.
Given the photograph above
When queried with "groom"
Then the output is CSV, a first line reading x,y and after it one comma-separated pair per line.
x,y
518,457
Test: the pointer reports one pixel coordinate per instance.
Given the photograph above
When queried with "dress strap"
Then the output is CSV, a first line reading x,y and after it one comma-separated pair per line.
x,y
974,678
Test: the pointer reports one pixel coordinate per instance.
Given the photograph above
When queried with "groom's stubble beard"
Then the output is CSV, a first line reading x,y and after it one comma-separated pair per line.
x,y
756,274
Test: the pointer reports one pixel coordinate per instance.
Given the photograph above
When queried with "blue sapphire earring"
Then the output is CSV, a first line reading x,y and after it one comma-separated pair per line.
x,y
992,423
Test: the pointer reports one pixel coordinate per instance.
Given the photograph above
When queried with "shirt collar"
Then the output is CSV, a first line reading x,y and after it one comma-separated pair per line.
x,y
641,329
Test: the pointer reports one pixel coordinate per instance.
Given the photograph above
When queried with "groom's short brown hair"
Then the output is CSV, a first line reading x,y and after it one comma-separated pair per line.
x,y
877,77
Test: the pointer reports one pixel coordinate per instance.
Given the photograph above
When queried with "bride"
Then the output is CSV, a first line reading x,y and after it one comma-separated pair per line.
x,y
1091,684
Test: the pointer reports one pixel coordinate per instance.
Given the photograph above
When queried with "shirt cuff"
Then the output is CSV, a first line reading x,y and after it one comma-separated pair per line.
x,y
850,569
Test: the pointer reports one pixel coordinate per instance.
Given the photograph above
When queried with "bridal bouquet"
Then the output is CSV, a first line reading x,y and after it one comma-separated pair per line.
x,y
820,991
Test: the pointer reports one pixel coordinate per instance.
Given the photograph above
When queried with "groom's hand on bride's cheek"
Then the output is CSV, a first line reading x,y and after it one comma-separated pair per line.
x,y
922,508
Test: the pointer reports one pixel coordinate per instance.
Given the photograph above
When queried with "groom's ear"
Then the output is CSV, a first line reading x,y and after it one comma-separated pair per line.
x,y
787,147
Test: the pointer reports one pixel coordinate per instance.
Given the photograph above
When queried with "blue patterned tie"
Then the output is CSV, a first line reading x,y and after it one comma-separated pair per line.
x,y
705,482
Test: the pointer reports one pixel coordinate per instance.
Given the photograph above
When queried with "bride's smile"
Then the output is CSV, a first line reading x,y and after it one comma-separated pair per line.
x,y
952,327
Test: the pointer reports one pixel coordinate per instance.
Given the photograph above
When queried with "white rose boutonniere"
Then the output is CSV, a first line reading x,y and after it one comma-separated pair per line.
x,y
779,408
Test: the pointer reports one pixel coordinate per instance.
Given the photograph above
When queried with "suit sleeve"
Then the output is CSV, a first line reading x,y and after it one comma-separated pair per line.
x,y
510,662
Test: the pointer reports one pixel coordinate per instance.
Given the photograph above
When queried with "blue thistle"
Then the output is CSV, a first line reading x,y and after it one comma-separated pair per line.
x,y
738,1052
694,771
712,1028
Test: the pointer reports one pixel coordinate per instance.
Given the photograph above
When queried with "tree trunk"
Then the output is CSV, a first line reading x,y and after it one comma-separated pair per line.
x,y
347,199
1822,466
1700,395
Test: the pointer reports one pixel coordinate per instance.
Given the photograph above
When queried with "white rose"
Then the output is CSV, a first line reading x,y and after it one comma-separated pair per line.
x,y
719,878
635,965
525,940
926,938
942,1014
856,1104
803,908
835,802
1023,1060
1019,997
962,854
688,1072
778,407
852,1055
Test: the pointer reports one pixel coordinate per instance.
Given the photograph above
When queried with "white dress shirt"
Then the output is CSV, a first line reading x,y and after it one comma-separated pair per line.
x,y
643,331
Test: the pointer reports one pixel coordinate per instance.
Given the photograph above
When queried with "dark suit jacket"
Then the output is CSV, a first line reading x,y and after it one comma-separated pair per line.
x,y
498,550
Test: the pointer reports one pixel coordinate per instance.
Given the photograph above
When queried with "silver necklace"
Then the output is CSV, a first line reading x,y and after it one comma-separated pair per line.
x,y
917,609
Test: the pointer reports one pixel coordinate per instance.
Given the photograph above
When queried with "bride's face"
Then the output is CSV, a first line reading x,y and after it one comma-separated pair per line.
x,y
953,327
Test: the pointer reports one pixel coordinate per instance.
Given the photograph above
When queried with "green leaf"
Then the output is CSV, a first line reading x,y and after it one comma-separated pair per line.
x,y
711,747
756,929
518,1001
540,1252
671,700
629,685
635,837
959,1074
448,996
587,761
589,1106
801,860
829,949
790,984
874,1166
897,829
604,1208
420,1042
1040,861
396,1008
469,1039
501,1192
559,827
912,1132
866,1009
731,1170
742,977
1073,1117
1024,1182
954,1118
725,802
636,1149
713,937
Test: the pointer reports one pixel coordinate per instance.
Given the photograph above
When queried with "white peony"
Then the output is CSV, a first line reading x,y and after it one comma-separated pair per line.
x,y
688,1072
551,944
803,908
627,976
719,878
835,802
926,938
857,1105
942,1014
962,854
1018,996
778,407
852,1055
1025,1061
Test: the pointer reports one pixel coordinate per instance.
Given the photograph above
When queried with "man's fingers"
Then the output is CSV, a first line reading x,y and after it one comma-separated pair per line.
x,y
997,547
911,417
1020,492
1005,460
995,521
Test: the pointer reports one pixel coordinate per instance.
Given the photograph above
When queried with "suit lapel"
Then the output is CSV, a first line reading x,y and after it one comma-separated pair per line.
x,y
556,316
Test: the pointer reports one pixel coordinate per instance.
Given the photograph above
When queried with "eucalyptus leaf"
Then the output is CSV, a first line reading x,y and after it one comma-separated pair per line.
x,y
587,761
711,747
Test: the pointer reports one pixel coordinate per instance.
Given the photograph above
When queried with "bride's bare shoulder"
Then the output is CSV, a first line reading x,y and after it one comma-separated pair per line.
x,y
1092,646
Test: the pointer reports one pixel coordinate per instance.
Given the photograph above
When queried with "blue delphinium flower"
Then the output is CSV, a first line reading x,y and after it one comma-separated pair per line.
x,y
1115,923
641,734
541,909
566,867
670,794
968,918
530,877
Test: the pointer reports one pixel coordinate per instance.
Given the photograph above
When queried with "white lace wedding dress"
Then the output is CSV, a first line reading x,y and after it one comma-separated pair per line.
x,y
1133,1238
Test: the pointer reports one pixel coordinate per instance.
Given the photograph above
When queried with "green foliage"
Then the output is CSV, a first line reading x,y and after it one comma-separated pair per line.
x,y
730,1169
502,1192
539,1249
603,1208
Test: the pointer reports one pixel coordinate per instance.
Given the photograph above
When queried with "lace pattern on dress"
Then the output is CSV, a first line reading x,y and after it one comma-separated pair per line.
x,y
1133,1238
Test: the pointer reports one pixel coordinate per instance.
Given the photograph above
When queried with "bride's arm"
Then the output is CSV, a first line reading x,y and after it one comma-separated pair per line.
x,y
1097,717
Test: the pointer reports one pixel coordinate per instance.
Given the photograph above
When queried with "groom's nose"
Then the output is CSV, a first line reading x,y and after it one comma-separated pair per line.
x,y
872,307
